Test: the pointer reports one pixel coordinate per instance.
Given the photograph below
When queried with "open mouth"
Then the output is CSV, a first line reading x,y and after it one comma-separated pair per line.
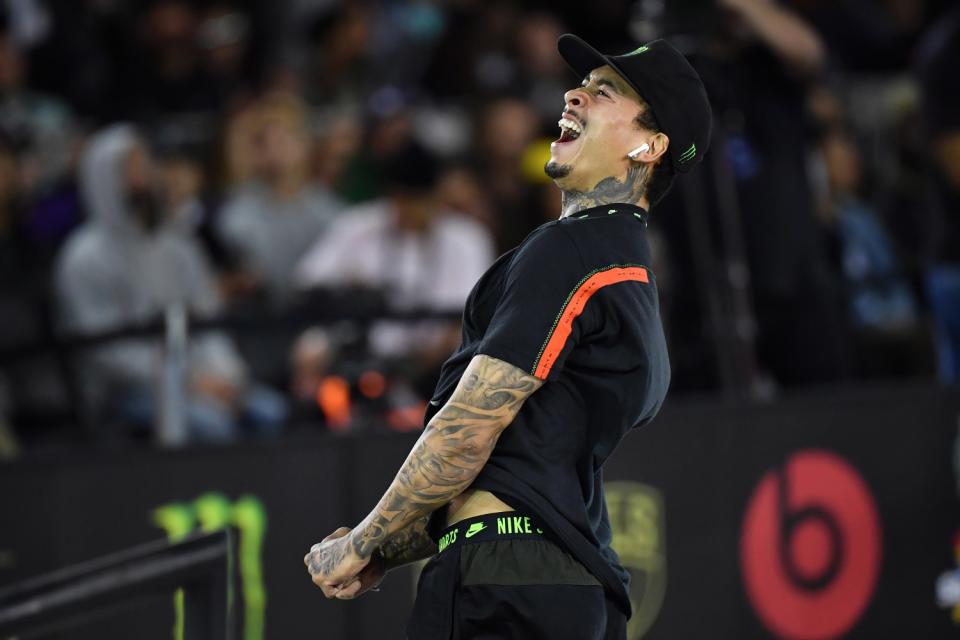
x,y
570,130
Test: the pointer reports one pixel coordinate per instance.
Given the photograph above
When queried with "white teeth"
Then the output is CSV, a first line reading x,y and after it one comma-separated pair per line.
x,y
570,125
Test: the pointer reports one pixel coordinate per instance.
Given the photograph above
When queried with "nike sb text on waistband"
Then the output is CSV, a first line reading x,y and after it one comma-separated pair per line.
x,y
493,526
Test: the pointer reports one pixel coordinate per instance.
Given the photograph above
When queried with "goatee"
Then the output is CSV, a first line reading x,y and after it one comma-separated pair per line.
x,y
556,170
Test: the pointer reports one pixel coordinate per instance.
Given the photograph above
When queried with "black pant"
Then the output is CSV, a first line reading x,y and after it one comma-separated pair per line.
x,y
509,581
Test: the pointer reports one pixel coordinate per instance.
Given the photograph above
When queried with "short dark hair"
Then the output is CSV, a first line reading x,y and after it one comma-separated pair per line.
x,y
661,177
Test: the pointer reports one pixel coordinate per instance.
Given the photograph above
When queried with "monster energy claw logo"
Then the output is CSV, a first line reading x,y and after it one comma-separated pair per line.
x,y
689,153
213,512
637,519
639,50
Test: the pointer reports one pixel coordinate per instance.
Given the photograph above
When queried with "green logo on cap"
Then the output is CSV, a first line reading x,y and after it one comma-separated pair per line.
x,y
639,50
688,154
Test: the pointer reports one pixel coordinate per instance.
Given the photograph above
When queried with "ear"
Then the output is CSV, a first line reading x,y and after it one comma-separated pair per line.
x,y
657,144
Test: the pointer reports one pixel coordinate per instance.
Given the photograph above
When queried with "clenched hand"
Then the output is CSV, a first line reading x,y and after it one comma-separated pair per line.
x,y
338,570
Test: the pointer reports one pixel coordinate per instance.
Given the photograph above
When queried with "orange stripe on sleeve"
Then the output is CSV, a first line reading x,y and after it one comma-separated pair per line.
x,y
574,307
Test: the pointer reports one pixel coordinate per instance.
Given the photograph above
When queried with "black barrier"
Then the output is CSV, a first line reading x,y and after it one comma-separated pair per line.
x,y
735,521
71,596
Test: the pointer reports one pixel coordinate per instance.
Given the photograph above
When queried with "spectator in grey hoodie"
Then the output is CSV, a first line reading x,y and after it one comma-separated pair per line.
x,y
127,264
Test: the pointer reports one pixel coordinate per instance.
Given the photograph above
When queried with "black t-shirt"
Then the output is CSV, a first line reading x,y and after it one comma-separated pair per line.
x,y
576,305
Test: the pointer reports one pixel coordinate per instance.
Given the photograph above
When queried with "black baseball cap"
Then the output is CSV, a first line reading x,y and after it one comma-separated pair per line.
x,y
666,82
410,169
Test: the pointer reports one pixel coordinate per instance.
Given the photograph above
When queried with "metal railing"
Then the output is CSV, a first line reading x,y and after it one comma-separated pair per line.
x,y
73,595
325,308
354,308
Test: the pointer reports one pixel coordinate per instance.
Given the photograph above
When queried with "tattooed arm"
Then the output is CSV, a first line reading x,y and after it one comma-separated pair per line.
x,y
452,449
446,459
408,545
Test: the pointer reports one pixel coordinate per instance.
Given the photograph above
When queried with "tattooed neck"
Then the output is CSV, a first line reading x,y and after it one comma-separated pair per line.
x,y
607,191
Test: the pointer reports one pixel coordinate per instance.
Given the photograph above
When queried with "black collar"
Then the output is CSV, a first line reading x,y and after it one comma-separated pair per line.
x,y
618,209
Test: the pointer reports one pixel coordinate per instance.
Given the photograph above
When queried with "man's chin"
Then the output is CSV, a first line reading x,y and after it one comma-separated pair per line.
x,y
557,171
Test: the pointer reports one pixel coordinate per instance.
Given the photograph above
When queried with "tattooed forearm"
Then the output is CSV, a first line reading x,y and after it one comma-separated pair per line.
x,y
608,191
451,451
408,545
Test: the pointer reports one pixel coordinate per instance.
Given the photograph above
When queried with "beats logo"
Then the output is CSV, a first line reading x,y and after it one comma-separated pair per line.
x,y
810,547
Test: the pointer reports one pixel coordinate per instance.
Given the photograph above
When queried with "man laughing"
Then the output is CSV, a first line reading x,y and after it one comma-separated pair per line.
x,y
562,354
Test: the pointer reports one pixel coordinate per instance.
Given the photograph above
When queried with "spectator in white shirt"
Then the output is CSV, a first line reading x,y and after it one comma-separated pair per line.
x,y
406,246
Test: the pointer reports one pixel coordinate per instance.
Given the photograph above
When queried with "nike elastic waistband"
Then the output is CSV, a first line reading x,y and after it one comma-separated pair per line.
x,y
492,526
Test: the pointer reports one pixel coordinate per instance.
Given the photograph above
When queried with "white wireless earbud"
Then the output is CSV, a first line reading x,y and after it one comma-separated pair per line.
x,y
633,154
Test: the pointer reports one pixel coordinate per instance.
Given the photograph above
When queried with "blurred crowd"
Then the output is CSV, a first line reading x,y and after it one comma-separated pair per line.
x,y
297,163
